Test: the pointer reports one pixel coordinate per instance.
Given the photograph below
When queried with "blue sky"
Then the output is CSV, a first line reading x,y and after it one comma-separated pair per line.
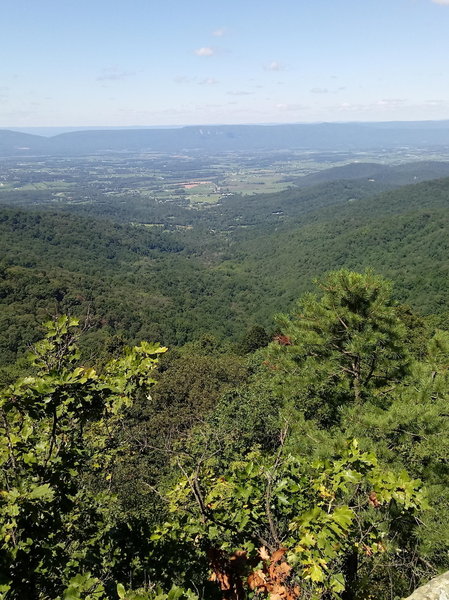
x,y
142,62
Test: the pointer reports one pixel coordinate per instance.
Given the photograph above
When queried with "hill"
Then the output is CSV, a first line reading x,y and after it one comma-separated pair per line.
x,y
135,283
172,285
402,234
397,175
233,138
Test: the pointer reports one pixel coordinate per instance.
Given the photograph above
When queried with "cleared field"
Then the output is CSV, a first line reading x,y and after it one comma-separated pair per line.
x,y
251,183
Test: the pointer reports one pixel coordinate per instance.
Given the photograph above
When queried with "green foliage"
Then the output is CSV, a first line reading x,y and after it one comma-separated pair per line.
x,y
175,593
320,513
84,587
56,430
109,484
254,338
412,432
345,347
173,283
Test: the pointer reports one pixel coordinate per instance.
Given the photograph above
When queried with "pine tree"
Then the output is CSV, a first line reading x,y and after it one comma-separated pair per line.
x,y
344,347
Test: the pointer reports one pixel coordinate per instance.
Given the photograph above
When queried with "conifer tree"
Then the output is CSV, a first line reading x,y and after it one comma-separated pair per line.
x,y
343,347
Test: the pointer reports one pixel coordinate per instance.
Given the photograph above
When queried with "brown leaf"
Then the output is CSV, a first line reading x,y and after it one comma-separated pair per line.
x,y
224,580
284,569
278,589
372,499
238,555
256,581
263,553
293,593
283,340
278,554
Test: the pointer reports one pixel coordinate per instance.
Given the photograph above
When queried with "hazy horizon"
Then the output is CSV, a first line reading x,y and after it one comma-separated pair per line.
x,y
56,130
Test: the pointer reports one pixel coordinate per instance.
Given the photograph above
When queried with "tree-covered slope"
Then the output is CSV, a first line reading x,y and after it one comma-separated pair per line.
x,y
314,468
136,283
172,285
403,234
411,172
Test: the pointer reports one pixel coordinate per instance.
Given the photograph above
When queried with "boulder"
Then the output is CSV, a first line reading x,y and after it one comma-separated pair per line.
x,y
436,589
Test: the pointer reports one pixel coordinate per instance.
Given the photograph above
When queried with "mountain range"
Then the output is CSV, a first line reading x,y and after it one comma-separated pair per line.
x,y
236,138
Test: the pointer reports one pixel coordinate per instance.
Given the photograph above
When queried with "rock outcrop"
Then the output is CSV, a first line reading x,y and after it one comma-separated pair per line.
x,y
436,589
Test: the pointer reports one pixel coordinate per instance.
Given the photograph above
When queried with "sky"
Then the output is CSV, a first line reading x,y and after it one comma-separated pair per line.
x,y
87,63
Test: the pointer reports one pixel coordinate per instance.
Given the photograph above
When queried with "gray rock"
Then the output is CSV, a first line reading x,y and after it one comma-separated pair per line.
x,y
436,589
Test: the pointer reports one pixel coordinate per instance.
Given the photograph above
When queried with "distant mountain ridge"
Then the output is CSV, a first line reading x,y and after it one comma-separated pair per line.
x,y
404,174
224,138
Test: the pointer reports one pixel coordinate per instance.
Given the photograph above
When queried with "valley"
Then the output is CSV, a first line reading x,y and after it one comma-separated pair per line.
x,y
210,321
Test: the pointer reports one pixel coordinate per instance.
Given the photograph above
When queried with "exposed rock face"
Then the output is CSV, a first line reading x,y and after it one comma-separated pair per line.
x,y
436,589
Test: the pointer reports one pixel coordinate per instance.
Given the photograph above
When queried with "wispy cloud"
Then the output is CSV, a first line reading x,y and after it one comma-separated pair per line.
x,y
384,105
445,2
208,81
220,32
183,79
114,74
318,90
205,51
391,102
435,103
274,65
239,93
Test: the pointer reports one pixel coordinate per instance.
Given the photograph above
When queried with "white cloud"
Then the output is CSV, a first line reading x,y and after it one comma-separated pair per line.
x,y
274,65
239,93
445,2
206,51
183,79
384,105
435,103
219,32
391,102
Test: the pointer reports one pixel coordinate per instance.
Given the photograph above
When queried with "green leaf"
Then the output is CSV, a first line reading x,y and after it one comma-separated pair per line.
x,y
337,583
343,515
42,492
315,572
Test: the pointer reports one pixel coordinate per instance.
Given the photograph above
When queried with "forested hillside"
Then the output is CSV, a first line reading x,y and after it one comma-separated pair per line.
x,y
134,283
289,457
174,284
402,234
209,475
224,300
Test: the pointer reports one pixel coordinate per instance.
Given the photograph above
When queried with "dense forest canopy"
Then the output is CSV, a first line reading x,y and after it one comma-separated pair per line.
x,y
173,284
278,448
113,488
